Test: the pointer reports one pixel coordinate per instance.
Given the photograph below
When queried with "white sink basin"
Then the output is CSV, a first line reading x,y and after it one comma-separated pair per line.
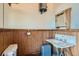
x,y
59,44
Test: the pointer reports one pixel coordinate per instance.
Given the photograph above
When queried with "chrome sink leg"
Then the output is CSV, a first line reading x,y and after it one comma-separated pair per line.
x,y
58,52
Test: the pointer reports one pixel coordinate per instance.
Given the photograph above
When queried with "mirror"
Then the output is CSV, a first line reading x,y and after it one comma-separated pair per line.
x,y
62,20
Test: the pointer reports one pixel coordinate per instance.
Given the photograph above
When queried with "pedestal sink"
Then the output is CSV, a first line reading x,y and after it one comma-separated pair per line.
x,y
63,41
60,44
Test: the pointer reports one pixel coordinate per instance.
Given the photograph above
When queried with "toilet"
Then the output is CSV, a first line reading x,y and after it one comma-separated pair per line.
x,y
11,50
46,50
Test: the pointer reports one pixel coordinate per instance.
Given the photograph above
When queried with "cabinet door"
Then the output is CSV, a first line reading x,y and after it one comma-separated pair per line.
x,y
1,15
75,16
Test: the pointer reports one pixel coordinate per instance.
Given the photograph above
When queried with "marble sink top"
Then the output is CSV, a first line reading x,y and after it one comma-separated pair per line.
x,y
59,44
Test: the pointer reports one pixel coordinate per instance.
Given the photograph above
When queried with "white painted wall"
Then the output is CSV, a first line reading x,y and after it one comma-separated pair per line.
x,y
62,6
29,17
75,16
1,15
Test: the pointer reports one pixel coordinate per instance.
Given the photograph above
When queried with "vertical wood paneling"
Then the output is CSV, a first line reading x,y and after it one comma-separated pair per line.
x,y
8,38
28,44
45,36
1,42
77,47
36,39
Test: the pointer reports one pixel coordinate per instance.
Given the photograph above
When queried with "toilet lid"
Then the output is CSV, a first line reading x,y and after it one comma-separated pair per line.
x,y
11,48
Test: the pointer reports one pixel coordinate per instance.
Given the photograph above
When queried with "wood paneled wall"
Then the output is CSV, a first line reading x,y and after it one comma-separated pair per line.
x,y
27,44
6,38
1,42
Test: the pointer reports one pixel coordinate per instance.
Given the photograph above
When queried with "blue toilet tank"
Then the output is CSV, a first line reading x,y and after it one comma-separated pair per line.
x,y
46,50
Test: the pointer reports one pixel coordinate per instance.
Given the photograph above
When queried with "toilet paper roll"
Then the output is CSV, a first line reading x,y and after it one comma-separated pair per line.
x,y
28,33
